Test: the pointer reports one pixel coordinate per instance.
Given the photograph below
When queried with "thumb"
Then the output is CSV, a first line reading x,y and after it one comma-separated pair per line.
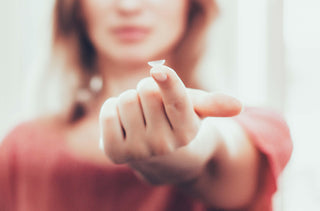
x,y
205,104
208,104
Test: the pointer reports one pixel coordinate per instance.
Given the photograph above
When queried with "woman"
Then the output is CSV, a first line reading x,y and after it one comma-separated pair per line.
x,y
152,129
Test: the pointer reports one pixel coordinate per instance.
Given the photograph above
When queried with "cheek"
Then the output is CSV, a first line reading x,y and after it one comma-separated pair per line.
x,y
90,10
172,24
94,13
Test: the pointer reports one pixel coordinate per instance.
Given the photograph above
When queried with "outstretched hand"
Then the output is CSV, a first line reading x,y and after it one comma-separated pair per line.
x,y
160,116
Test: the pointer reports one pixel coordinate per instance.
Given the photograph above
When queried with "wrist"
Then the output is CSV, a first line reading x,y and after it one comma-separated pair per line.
x,y
184,165
174,168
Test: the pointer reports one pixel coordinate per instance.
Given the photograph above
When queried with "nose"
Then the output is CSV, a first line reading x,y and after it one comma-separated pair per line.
x,y
129,7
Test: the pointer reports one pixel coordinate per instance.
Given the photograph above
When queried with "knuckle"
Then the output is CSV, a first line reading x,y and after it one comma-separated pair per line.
x,y
148,87
108,107
145,83
109,118
128,98
163,148
151,95
183,141
176,105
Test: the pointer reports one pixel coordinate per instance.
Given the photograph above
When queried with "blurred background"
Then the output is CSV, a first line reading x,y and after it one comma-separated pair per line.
x,y
265,52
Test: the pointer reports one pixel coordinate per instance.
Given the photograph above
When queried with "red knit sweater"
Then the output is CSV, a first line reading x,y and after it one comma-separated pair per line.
x,y
38,173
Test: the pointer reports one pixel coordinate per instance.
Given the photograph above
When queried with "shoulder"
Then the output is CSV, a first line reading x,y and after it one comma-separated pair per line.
x,y
26,146
34,130
30,143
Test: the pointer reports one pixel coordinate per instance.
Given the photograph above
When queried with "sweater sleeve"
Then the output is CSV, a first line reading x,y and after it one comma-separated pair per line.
x,y
271,136
8,169
12,152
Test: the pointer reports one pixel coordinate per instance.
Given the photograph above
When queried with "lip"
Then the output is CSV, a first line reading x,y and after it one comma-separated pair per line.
x,y
130,33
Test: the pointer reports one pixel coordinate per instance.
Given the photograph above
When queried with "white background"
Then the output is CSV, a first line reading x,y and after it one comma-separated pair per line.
x,y
265,52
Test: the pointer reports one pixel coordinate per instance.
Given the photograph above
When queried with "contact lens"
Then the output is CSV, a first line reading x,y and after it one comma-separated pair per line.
x,y
156,63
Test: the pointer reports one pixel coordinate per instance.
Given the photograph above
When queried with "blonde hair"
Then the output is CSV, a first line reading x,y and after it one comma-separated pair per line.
x,y
72,49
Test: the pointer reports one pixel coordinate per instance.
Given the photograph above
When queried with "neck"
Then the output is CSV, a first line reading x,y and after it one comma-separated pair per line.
x,y
119,77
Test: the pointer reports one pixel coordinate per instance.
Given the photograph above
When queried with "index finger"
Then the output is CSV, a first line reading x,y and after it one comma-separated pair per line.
x,y
177,103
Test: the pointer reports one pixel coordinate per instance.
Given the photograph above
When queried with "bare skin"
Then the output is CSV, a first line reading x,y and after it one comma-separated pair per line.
x,y
159,130
221,170
165,132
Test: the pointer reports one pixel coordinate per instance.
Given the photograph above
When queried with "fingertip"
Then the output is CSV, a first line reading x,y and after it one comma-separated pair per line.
x,y
164,75
233,106
241,107
236,105
158,74
219,105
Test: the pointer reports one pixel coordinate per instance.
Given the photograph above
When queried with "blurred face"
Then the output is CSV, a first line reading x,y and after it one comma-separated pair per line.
x,y
134,31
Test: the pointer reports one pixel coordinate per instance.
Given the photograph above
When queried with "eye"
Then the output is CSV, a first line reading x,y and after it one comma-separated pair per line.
x,y
156,63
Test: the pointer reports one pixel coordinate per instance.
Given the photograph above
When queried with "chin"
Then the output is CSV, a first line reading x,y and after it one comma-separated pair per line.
x,y
135,58
136,55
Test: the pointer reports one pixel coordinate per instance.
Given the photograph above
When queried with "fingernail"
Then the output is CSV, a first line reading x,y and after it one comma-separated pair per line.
x,y
158,74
